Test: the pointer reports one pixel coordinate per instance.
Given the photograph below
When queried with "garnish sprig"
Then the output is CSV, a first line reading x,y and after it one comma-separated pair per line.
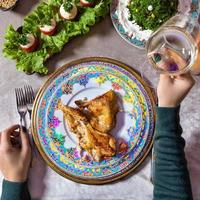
x,y
23,40
68,6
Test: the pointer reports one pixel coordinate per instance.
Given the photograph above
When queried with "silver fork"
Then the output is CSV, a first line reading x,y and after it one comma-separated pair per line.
x,y
21,105
30,97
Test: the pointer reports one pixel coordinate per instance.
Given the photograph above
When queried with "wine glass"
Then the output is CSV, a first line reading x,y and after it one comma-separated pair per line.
x,y
175,47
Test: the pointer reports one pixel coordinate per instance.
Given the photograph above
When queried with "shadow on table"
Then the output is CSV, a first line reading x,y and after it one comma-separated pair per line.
x,y
192,154
24,7
69,51
36,177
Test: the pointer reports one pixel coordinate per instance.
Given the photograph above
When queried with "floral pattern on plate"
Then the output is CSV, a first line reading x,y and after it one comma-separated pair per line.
x,y
133,130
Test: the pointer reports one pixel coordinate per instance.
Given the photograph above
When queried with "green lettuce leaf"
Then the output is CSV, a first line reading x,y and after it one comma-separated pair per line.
x,y
49,45
11,43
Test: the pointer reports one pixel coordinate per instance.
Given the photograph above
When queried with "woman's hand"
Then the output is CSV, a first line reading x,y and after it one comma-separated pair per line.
x,y
172,90
15,154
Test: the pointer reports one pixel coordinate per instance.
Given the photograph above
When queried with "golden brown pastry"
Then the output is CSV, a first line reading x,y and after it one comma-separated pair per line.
x,y
102,111
97,144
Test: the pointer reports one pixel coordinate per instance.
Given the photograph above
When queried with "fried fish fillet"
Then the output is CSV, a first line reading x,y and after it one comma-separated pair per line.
x,y
102,111
98,145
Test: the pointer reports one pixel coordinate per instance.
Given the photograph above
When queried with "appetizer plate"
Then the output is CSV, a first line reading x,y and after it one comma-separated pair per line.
x,y
88,78
133,33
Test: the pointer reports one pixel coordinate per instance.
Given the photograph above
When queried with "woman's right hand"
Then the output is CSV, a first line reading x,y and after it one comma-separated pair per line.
x,y
173,89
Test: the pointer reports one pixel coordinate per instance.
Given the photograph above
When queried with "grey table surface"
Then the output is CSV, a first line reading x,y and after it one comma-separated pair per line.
x,y
103,40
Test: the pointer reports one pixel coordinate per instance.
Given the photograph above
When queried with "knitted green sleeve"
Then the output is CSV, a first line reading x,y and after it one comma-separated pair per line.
x,y
15,191
171,177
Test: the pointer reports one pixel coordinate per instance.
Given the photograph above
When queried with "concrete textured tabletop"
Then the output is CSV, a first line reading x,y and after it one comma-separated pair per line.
x,y
103,40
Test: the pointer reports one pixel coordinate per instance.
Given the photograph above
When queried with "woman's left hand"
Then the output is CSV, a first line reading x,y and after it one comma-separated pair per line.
x,y
15,154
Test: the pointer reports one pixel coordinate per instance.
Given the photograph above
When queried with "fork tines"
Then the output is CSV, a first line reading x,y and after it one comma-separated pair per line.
x,y
29,94
21,104
20,99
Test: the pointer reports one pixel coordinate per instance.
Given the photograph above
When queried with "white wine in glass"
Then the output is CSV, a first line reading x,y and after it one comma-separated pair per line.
x,y
175,47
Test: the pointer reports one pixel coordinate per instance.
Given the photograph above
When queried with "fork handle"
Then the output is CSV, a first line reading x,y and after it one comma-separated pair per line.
x,y
32,143
23,123
30,113
22,128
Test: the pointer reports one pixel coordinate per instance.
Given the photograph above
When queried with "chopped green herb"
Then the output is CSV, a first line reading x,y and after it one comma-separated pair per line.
x,y
68,6
151,14
46,22
90,1
23,40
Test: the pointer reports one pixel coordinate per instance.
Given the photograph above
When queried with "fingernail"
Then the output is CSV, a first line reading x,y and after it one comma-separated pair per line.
x,y
157,57
173,67
24,129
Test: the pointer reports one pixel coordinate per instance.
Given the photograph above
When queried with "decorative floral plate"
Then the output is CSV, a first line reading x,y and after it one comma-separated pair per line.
x,y
88,78
132,32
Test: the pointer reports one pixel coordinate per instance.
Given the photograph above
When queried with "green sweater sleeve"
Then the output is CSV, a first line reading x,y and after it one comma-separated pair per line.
x,y
15,191
171,177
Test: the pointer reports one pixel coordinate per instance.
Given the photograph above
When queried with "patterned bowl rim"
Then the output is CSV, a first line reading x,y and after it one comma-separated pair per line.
x,y
125,35
39,96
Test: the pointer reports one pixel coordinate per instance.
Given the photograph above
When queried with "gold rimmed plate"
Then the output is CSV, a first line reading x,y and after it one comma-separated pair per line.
x,y
90,77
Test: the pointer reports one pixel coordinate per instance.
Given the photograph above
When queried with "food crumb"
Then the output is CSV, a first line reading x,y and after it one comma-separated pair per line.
x,y
86,158
123,147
